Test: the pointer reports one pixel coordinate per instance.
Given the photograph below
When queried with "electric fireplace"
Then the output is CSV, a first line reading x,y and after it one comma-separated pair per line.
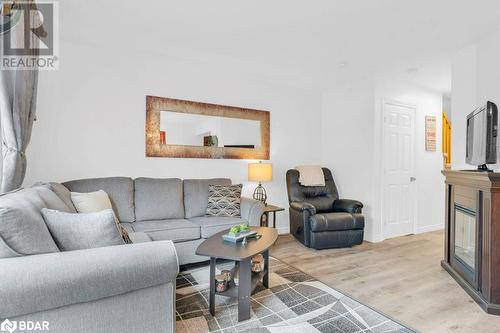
x,y
472,235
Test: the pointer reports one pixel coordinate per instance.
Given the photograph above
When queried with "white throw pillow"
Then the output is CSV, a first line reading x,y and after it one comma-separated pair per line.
x,y
94,202
91,202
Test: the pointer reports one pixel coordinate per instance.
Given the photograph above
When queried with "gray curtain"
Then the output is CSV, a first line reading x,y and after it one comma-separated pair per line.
x,y
18,90
17,112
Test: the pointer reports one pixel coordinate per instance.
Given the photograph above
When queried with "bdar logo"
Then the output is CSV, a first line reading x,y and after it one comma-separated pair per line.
x,y
8,326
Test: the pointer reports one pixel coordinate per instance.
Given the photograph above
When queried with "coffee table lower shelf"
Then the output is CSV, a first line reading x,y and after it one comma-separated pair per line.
x,y
232,291
247,283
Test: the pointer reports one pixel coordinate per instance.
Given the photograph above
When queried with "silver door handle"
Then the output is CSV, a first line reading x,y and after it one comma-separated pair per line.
x,y
412,179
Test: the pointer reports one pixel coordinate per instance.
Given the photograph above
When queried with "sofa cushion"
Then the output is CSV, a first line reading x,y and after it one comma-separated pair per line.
x,y
176,230
211,225
336,222
84,230
128,226
54,194
158,199
119,189
50,199
196,194
65,195
22,228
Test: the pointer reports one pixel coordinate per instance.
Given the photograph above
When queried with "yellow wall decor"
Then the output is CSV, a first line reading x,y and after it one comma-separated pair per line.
x,y
446,141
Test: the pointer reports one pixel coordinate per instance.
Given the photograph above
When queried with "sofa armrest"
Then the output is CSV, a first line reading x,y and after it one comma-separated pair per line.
x,y
139,237
252,210
41,282
347,206
303,206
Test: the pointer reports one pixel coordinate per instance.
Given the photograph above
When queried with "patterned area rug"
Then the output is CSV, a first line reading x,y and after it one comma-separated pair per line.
x,y
294,302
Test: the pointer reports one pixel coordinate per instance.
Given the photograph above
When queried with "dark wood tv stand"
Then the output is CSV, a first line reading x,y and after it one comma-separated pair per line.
x,y
472,235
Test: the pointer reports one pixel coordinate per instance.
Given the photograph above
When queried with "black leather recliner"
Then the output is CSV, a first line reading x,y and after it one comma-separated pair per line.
x,y
318,218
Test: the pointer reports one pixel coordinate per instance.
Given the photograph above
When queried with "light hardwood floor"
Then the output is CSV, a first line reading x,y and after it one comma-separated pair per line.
x,y
401,277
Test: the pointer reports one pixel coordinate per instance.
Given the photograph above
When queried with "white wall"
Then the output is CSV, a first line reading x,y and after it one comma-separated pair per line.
x,y
91,119
347,136
447,106
463,102
488,77
488,69
475,80
351,133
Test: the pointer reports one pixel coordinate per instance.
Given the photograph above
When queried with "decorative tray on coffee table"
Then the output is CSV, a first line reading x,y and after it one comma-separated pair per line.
x,y
234,238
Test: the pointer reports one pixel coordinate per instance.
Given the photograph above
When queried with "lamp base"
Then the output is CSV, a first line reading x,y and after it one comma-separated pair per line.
x,y
260,194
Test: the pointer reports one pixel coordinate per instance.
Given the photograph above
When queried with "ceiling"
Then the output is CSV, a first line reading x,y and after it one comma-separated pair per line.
x,y
309,43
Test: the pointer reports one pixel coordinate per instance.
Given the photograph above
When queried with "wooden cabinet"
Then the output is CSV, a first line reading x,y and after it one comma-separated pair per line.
x,y
472,235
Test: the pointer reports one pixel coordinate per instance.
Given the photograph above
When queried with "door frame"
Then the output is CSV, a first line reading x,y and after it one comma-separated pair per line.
x,y
388,101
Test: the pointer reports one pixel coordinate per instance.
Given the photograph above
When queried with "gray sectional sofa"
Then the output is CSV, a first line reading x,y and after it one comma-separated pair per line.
x,y
169,209
123,288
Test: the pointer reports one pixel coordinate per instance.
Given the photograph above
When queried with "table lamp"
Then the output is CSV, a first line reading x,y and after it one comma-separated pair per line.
x,y
260,172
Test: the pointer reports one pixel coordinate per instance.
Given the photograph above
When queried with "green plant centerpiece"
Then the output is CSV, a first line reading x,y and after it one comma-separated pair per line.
x,y
235,230
239,233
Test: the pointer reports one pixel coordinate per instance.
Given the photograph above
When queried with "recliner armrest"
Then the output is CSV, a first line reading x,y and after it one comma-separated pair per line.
x,y
347,206
303,206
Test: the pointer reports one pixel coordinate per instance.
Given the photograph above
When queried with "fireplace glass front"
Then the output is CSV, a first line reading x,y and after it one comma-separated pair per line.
x,y
465,236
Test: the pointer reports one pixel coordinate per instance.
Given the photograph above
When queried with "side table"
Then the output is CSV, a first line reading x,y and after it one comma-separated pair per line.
x,y
264,220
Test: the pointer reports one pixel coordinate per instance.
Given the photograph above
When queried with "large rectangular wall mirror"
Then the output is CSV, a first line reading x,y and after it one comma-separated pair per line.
x,y
186,129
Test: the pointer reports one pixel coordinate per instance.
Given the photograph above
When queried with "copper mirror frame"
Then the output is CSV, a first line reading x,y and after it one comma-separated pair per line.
x,y
154,147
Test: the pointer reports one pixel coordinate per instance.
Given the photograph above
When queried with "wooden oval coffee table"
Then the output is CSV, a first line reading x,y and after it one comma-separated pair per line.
x,y
217,248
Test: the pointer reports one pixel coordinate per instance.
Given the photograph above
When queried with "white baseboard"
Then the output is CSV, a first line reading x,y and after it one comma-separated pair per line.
x,y
373,238
283,231
429,228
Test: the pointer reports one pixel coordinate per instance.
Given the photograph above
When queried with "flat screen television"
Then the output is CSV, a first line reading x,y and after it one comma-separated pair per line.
x,y
482,126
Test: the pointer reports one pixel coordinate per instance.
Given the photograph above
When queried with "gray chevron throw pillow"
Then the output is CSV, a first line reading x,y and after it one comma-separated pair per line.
x,y
224,200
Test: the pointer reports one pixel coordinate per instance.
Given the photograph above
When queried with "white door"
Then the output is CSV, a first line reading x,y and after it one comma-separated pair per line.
x,y
398,182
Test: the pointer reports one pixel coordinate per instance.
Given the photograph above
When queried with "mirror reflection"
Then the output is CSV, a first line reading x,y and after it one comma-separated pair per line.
x,y
210,131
